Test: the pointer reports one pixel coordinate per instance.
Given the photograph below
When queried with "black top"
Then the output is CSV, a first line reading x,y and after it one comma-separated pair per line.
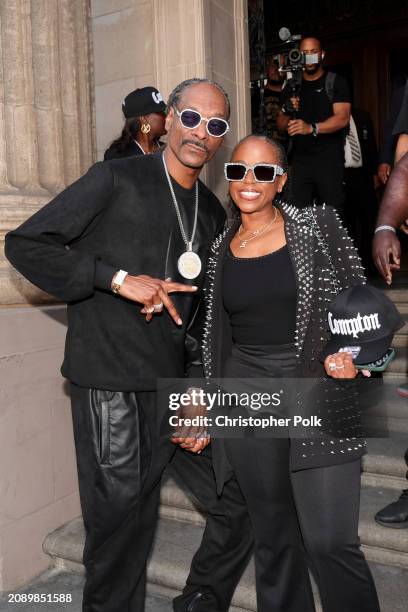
x,y
259,294
119,215
114,153
316,106
389,143
401,123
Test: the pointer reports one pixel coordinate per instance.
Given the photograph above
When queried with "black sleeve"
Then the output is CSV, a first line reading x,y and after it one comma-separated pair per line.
x,y
372,151
401,124
341,90
194,340
46,248
221,219
109,154
344,255
389,139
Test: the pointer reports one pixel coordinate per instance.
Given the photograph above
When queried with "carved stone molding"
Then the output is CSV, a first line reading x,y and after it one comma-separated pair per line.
x,y
47,135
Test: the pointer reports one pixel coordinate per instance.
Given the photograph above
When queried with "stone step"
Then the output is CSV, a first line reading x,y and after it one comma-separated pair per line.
x,y
397,294
175,544
400,340
388,410
387,546
384,465
399,365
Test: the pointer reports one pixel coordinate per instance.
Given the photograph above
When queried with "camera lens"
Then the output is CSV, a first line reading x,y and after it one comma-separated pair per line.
x,y
294,56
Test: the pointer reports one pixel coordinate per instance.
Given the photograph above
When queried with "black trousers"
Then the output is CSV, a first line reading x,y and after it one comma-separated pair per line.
x,y
360,212
317,177
312,511
121,456
300,519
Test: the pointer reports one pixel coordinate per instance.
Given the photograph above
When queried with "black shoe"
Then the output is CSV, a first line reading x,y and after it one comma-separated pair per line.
x,y
197,601
395,515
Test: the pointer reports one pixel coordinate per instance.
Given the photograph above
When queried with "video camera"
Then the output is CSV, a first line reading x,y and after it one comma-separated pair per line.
x,y
291,62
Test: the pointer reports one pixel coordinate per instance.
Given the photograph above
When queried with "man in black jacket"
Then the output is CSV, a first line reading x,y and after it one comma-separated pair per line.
x,y
105,246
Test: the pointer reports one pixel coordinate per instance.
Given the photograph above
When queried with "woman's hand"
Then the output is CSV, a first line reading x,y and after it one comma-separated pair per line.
x,y
340,365
192,438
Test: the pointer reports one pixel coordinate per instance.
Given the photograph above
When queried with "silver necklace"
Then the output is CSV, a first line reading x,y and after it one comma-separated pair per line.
x,y
256,232
189,263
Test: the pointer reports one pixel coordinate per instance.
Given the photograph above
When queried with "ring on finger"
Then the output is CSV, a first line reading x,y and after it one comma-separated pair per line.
x,y
158,307
149,309
340,367
332,366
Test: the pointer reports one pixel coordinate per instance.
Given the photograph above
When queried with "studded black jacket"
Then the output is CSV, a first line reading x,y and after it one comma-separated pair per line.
x,y
325,262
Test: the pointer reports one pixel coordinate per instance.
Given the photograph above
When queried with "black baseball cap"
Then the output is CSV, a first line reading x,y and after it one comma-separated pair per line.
x,y
142,102
362,321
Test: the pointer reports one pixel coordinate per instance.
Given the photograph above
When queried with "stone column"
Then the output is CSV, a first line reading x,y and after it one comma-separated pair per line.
x,y
206,38
46,119
46,142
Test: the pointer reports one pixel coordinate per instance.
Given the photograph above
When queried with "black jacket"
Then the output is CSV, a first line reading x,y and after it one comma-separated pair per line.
x,y
314,292
390,138
131,150
117,216
114,153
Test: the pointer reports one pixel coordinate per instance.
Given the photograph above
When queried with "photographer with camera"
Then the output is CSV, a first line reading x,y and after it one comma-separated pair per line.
x,y
316,120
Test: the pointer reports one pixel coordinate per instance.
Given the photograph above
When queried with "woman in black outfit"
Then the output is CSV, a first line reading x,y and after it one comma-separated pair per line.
x,y
270,281
144,111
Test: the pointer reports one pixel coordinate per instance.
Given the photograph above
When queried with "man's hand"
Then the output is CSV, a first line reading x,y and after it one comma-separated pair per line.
x,y
384,171
153,294
295,103
192,445
386,253
404,227
298,126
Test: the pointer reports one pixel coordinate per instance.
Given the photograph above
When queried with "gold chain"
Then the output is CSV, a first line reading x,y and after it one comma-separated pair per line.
x,y
256,232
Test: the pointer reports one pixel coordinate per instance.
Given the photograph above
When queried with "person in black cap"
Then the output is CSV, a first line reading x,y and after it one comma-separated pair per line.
x,y
144,111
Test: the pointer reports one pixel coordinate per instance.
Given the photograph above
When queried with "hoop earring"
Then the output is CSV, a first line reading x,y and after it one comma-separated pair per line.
x,y
146,127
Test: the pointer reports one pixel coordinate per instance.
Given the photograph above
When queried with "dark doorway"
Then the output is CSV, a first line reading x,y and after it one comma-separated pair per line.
x,y
366,41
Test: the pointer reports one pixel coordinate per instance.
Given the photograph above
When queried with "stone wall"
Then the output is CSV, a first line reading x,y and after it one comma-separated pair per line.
x,y
46,142
38,482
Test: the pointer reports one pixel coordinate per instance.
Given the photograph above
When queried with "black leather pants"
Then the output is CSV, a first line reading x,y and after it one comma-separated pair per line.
x,y
120,460
121,457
